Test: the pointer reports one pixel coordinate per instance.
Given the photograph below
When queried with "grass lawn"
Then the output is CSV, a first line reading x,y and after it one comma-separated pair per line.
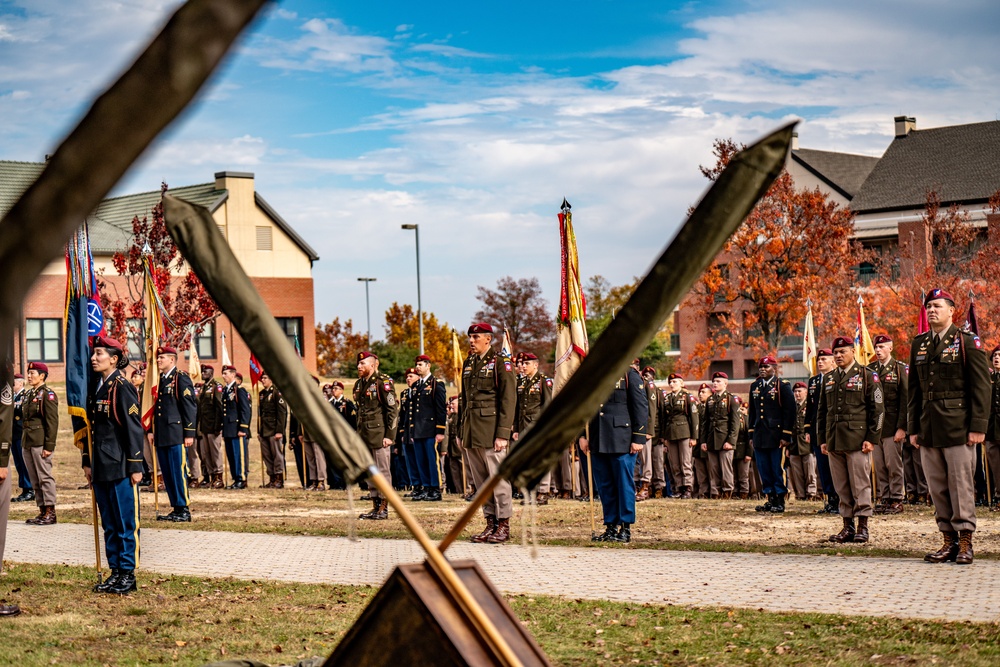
x,y
192,621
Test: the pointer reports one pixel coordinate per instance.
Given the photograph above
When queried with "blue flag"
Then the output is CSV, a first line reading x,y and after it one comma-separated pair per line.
x,y
84,318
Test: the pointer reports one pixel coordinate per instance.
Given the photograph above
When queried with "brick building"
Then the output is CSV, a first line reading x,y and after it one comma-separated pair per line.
x,y
887,195
275,257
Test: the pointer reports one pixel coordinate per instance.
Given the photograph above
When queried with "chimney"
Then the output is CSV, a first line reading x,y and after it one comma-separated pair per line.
x,y
795,141
904,125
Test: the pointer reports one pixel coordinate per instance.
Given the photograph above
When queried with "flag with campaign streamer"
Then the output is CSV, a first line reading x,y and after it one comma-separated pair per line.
x,y
809,350
84,318
506,347
194,363
864,349
154,334
225,351
255,370
456,359
571,343
922,325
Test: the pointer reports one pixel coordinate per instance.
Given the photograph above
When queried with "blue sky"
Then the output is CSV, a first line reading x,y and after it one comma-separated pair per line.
x,y
474,120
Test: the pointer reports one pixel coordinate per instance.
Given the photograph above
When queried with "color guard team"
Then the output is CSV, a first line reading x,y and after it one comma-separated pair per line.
x,y
927,431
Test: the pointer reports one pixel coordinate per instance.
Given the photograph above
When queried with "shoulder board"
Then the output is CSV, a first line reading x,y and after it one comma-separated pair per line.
x,y
784,382
184,373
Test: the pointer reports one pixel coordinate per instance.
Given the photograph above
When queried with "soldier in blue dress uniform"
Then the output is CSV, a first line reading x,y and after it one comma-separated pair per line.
x,y
113,463
235,426
617,434
173,431
772,418
23,479
426,417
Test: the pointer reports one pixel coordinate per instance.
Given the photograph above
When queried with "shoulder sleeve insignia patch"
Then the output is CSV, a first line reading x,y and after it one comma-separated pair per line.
x,y
506,366
977,342
52,396
548,382
875,376
387,385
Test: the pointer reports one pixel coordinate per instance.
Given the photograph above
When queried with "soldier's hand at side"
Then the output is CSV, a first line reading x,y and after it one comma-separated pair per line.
x,y
693,442
747,459
3,473
386,442
87,474
584,445
188,442
458,441
149,436
439,438
278,436
900,436
976,438
135,478
499,445
913,441
784,443
46,453
515,435
822,448
867,446
636,448
726,446
704,446
808,439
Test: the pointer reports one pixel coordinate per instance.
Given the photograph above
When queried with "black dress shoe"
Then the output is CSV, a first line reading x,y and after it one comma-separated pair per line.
x,y
433,494
624,534
180,515
238,484
26,495
9,610
125,583
109,583
610,533
420,494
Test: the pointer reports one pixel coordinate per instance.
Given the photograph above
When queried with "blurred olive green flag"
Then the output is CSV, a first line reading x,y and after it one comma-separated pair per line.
x,y
198,238
720,212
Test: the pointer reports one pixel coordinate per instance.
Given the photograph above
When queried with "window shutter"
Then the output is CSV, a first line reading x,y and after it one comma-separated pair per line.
x,y
263,238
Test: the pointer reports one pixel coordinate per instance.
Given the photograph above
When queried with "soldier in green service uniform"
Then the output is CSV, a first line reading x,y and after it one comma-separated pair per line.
x,y
272,415
850,423
679,429
719,431
533,394
378,411
40,415
949,410
888,455
210,409
487,401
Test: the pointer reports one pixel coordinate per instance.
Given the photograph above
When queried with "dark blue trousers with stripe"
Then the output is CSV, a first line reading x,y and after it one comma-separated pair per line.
x,y
236,453
772,476
23,480
118,504
412,469
615,481
173,464
425,450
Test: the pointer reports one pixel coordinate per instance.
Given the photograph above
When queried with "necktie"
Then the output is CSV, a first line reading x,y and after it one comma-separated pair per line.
x,y
937,340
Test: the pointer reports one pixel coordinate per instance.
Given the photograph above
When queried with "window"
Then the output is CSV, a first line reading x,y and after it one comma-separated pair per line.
x,y
292,326
263,238
723,365
136,338
675,342
204,341
721,296
44,339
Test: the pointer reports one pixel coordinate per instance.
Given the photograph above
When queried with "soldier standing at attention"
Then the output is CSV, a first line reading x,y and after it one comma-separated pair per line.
x,y
850,423
803,465
427,411
772,417
173,431
699,457
949,411
824,364
533,395
488,401
992,432
235,426
617,434
344,406
210,409
113,463
272,415
23,480
645,462
40,414
378,412
888,454
719,431
746,478
679,427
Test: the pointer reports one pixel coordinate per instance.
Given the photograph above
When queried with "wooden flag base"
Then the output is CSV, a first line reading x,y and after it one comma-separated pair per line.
x,y
413,620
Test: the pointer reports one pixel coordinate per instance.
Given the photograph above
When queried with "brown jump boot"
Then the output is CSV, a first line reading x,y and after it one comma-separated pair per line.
x,y
948,550
643,492
41,514
846,534
542,498
502,533
279,481
964,556
491,526
862,535
381,510
373,513
217,482
49,518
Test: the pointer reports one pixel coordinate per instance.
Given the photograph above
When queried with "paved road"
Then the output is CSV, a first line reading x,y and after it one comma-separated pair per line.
x,y
832,584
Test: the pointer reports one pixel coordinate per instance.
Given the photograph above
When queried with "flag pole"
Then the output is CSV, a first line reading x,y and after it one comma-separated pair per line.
x,y
93,505
590,487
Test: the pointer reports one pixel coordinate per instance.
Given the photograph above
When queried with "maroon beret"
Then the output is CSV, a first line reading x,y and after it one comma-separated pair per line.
x,y
938,293
704,385
38,366
338,383
327,386
882,338
166,349
995,350
239,376
799,385
720,374
412,371
481,328
208,367
528,356
842,341
674,376
229,368
422,357
649,369
107,343
365,355
141,366
18,376
767,361
824,352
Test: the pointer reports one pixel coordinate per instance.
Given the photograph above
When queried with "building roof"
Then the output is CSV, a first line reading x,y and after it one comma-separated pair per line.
x,y
844,172
110,225
958,162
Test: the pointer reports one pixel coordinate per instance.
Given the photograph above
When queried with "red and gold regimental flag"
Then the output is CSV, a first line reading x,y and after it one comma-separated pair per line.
x,y
571,343
154,333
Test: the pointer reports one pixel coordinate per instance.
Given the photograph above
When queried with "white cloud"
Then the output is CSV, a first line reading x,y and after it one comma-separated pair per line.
x,y
329,44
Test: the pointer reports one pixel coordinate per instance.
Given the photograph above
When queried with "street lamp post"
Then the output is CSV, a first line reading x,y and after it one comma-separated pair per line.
x,y
420,312
368,310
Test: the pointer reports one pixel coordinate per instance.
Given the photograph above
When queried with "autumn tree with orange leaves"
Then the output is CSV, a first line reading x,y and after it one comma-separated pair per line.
x,y
337,346
944,249
795,244
402,330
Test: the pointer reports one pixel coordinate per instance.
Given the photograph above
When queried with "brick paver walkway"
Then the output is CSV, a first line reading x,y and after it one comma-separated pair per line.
x,y
832,584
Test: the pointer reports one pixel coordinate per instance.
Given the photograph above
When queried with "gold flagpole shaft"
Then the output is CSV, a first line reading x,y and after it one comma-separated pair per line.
x,y
481,496
590,493
152,451
871,463
93,502
986,474
465,482
442,568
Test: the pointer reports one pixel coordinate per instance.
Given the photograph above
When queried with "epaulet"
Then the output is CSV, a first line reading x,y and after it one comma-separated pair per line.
x,y
185,373
784,382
